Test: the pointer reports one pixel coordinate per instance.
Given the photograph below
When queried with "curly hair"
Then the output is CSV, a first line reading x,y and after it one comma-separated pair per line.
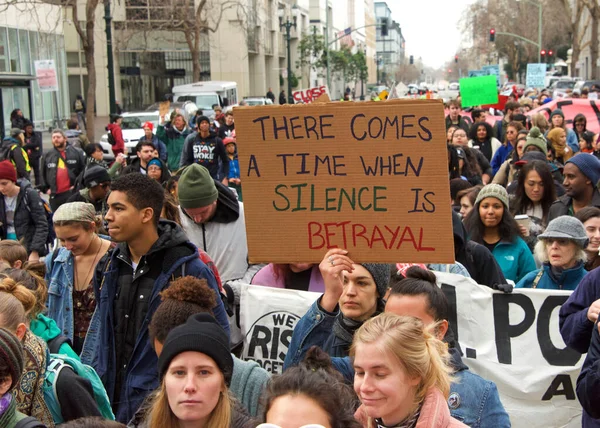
x,y
184,297
315,378
142,192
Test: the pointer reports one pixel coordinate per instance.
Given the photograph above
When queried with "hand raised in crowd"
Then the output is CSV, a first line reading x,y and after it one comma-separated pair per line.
x,y
121,159
524,231
332,266
593,311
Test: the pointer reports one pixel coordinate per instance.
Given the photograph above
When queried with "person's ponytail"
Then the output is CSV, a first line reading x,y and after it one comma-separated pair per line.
x,y
438,374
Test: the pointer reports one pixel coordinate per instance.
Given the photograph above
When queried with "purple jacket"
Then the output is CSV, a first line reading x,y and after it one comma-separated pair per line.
x,y
266,277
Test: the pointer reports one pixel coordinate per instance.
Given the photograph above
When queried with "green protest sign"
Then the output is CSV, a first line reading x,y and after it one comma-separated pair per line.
x,y
480,90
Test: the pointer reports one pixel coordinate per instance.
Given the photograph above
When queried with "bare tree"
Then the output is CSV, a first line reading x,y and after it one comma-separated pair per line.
x,y
593,8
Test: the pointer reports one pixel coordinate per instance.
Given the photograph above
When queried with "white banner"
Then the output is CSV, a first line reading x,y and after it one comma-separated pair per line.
x,y
511,339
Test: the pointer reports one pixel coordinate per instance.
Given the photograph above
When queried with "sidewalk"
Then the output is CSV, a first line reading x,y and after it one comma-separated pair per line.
x,y
100,123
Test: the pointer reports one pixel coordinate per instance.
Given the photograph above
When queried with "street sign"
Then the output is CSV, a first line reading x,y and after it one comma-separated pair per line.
x,y
536,76
45,72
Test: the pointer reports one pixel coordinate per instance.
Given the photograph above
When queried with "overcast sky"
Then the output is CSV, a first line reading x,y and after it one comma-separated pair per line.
x,y
430,27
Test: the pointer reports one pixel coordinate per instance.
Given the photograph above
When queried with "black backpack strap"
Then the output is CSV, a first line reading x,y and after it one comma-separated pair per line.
x,y
29,422
55,344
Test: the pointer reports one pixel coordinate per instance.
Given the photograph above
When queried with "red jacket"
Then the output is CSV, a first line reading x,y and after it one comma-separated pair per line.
x,y
117,133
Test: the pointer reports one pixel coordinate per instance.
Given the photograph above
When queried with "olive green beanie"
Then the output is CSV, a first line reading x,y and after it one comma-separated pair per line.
x,y
196,188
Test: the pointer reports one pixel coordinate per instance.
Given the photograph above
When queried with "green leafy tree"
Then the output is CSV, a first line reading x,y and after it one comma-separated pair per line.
x,y
312,54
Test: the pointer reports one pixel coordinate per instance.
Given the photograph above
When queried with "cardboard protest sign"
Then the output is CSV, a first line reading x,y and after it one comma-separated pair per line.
x,y
307,96
480,90
510,339
536,76
163,108
369,177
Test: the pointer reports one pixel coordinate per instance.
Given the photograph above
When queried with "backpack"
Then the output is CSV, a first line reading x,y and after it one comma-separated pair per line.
x,y
78,105
5,153
48,211
29,422
55,365
110,137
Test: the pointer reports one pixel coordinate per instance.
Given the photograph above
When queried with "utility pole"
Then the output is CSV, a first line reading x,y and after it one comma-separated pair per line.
x,y
288,25
112,101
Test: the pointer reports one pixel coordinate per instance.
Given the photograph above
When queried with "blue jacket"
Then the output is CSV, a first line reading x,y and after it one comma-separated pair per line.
x,y
569,279
515,259
588,383
500,156
478,403
575,327
572,140
141,377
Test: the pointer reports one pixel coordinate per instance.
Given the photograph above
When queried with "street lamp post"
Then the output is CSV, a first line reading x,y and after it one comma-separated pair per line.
x,y
288,25
109,54
537,3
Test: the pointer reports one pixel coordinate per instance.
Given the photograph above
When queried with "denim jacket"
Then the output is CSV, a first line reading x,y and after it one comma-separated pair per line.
x,y
141,377
59,277
473,400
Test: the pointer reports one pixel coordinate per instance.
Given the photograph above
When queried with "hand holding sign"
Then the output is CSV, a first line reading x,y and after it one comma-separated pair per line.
x,y
593,311
334,263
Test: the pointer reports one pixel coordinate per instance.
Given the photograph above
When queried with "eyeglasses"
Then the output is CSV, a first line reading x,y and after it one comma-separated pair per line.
x,y
277,426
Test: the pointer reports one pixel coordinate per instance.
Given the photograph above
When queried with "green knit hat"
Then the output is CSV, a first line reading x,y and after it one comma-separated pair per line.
x,y
493,191
535,138
196,187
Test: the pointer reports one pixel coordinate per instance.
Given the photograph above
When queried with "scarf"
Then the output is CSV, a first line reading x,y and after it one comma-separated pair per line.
x,y
409,422
344,328
8,410
29,393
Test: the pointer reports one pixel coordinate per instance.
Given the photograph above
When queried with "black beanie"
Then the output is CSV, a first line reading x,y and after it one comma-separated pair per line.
x,y
200,333
202,119
11,355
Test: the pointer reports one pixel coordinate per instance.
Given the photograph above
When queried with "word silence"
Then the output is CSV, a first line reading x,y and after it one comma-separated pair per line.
x,y
368,177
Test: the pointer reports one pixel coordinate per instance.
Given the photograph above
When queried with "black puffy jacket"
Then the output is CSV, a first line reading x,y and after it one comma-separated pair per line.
x,y
31,225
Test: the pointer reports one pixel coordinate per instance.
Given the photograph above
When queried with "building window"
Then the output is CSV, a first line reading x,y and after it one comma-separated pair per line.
x,y
3,50
13,51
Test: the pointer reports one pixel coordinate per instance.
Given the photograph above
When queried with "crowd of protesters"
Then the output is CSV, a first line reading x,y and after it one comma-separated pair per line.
x,y
118,296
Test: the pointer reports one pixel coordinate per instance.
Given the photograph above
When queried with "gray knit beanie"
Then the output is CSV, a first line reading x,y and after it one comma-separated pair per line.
x,y
566,227
493,191
381,275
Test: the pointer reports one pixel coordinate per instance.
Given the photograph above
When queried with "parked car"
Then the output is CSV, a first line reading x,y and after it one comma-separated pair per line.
x,y
559,88
587,84
132,132
257,101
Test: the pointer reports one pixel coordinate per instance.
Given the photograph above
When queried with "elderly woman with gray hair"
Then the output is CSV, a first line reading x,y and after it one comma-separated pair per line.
x,y
561,248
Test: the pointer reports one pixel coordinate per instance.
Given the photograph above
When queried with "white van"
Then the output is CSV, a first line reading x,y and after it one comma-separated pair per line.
x,y
206,94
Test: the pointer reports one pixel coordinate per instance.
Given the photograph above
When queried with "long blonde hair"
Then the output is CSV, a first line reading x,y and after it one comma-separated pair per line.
x,y
414,345
161,415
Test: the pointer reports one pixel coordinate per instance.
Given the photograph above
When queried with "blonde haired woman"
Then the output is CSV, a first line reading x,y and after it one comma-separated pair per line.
x,y
401,374
195,368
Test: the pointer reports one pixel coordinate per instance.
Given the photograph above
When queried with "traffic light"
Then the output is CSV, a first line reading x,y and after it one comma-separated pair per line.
x,y
456,59
492,35
384,27
412,60
550,53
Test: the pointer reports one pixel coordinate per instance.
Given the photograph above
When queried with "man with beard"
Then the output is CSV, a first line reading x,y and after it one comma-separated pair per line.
x,y
581,175
60,168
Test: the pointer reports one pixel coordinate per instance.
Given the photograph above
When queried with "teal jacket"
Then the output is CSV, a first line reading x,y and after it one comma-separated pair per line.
x,y
515,259
174,141
248,383
569,278
46,329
